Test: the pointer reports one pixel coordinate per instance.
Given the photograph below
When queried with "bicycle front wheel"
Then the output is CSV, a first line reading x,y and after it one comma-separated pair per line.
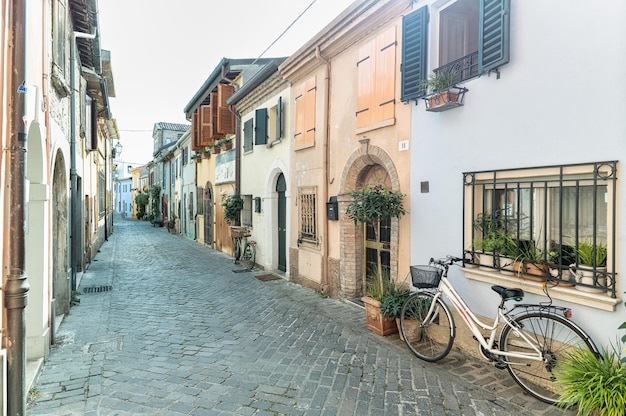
x,y
427,326
555,337
248,256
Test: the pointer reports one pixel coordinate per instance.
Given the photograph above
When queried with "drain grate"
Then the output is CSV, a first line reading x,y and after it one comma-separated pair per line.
x,y
104,346
96,289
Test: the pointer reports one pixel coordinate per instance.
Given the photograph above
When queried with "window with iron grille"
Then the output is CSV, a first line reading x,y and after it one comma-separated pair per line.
x,y
546,214
308,214
246,212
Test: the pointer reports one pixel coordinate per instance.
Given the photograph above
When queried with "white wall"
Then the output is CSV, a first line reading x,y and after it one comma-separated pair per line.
x,y
560,100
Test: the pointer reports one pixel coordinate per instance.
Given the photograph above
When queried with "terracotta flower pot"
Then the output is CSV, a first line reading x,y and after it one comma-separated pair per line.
x,y
375,320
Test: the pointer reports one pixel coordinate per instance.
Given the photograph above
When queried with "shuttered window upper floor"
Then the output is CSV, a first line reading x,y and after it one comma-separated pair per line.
x,y
376,69
214,120
472,39
305,106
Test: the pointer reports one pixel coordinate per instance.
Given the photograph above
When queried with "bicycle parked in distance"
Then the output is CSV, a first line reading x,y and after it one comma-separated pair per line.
x,y
244,251
533,339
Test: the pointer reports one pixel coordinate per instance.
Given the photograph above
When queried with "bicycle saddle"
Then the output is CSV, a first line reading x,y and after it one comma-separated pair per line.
x,y
507,294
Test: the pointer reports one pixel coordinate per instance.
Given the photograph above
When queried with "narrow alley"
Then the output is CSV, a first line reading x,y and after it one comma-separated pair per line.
x,y
166,326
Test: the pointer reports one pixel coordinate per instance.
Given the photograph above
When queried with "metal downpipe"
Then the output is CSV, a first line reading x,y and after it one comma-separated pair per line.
x,y
16,283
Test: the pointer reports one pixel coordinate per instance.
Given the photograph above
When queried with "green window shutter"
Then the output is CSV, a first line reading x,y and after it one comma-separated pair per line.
x,y
414,48
279,119
493,37
260,134
248,130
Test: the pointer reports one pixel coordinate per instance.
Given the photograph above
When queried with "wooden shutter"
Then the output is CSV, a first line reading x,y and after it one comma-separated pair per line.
x,y
364,85
260,130
414,48
248,130
385,76
279,119
299,110
195,132
225,117
310,90
94,125
493,35
206,125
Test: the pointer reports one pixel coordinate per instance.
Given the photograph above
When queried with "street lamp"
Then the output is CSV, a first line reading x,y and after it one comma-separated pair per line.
x,y
118,149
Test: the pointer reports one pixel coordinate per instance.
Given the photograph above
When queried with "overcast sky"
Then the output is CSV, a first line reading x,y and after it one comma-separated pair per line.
x,y
162,51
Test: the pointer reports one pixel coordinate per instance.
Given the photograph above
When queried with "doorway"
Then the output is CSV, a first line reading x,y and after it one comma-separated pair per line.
x,y
281,188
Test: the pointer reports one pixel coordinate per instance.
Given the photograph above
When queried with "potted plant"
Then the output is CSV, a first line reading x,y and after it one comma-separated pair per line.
x,y
441,90
215,148
590,269
507,254
226,143
596,385
531,262
378,286
391,304
491,236
232,205
371,205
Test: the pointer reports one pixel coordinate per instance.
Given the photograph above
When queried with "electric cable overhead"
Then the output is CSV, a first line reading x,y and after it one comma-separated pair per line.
x,y
285,31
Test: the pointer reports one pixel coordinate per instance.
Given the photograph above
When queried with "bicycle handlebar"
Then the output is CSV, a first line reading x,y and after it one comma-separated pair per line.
x,y
447,261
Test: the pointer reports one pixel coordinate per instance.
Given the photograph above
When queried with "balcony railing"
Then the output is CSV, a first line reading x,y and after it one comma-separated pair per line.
x,y
466,67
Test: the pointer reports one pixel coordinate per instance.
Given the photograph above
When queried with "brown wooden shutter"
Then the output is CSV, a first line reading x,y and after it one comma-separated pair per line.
x,y
385,76
206,125
195,132
299,105
225,117
309,110
364,85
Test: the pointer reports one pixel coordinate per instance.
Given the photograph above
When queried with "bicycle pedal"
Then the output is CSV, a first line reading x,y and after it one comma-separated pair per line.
x,y
500,365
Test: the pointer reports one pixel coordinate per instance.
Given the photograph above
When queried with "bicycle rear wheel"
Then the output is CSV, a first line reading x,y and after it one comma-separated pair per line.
x,y
236,249
555,337
248,256
427,327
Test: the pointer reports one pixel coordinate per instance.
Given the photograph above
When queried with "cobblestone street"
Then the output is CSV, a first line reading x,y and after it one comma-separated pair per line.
x,y
166,326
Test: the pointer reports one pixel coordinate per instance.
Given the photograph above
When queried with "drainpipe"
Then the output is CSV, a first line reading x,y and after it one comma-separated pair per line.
x,y
237,114
16,283
325,283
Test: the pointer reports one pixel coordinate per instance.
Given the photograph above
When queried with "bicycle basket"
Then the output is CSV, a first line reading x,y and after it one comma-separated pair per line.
x,y
425,276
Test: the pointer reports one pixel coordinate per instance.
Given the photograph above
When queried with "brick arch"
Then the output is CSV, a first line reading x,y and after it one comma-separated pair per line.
x,y
351,235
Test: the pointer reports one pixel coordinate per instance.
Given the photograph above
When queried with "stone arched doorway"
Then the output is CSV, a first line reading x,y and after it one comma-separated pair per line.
x,y
368,165
60,282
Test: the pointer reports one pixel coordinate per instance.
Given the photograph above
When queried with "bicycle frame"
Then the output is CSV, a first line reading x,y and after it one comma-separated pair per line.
x,y
475,324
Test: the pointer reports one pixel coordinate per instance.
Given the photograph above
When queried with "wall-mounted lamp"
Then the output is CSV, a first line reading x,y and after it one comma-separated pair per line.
x,y
117,149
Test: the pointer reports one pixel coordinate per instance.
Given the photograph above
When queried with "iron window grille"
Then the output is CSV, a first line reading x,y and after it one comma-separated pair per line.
x,y
307,200
553,208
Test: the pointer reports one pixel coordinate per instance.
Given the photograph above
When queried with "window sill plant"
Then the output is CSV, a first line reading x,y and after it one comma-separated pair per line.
x,y
442,93
591,267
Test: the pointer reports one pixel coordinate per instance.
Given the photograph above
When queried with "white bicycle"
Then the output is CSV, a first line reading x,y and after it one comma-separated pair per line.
x,y
534,337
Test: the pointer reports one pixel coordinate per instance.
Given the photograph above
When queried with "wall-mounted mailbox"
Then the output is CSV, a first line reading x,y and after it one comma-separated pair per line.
x,y
332,209
257,204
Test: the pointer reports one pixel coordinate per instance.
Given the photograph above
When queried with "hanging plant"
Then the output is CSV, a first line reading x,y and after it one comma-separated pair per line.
x,y
232,205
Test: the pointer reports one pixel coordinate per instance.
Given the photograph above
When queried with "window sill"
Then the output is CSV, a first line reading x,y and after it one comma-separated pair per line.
x,y
379,125
567,294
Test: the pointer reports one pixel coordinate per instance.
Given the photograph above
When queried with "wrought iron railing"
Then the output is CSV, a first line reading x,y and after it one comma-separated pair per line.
x,y
547,213
465,67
